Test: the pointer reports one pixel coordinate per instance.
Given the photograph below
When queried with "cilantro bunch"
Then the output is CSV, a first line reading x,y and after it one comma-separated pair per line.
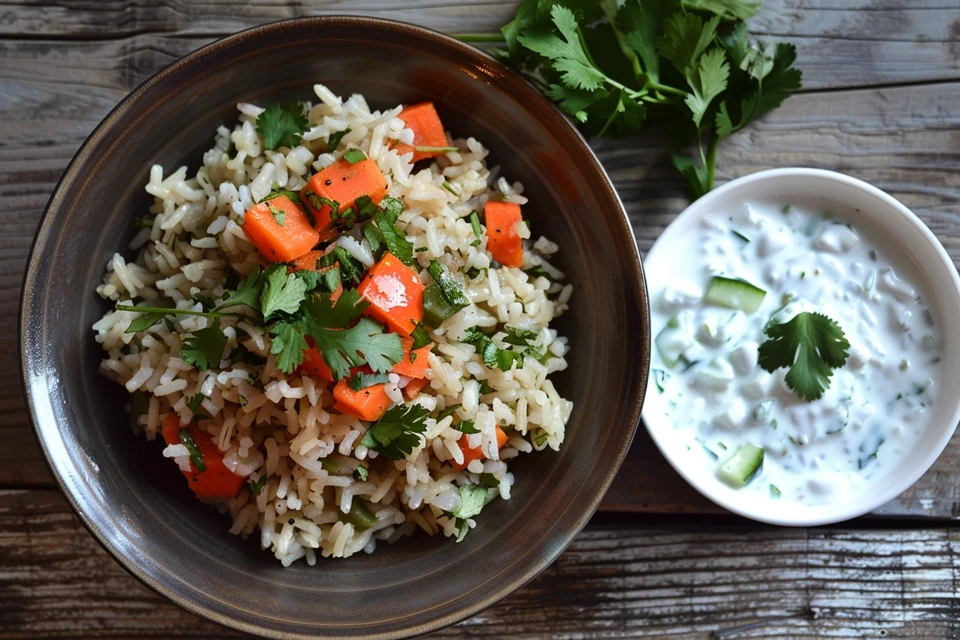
x,y
688,65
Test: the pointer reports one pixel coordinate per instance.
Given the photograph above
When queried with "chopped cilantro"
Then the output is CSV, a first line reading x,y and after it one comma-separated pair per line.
x,y
467,427
334,140
194,402
257,487
283,292
341,348
196,457
811,345
279,216
248,292
488,480
146,321
204,348
353,156
292,196
361,380
472,500
398,432
448,411
477,231
281,125
421,337
361,473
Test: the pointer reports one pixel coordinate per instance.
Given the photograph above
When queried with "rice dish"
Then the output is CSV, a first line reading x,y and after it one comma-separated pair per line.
x,y
339,326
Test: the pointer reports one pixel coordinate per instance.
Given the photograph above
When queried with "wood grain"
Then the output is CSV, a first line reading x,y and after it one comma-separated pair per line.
x,y
611,583
840,44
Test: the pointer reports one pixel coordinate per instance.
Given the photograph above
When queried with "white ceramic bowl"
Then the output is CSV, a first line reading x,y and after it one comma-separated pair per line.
x,y
897,229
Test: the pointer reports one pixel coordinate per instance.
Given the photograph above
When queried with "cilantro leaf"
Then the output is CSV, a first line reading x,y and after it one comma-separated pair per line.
x,y
467,427
726,9
707,82
353,156
194,402
334,140
685,38
492,355
811,345
204,348
362,344
472,500
288,345
279,215
361,473
398,432
248,292
281,125
145,321
292,196
282,291
323,311
567,52
421,337
361,380
382,230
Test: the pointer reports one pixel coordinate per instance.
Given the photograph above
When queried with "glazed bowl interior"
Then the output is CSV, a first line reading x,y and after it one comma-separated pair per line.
x,y
135,502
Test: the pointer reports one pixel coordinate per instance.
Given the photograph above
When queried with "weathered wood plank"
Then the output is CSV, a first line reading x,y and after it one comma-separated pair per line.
x,y
904,140
55,581
839,44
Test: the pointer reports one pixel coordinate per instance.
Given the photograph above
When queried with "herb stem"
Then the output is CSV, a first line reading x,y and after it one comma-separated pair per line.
x,y
711,161
172,311
662,88
478,37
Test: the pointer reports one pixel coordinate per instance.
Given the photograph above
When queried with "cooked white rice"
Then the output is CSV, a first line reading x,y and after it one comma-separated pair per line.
x,y
282,426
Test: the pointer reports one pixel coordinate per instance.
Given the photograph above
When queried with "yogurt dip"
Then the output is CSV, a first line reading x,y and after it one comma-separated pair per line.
x,y
747,270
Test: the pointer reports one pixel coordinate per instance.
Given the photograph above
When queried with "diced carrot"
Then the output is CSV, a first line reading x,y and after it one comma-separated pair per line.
x,y
422,119
216,481
279,242
469,455
415,361
307,262
343,183
313,363
369,403
413,388
503,243
395,294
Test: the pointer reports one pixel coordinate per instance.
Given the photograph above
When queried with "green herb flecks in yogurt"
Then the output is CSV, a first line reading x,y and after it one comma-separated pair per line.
x,y
794,350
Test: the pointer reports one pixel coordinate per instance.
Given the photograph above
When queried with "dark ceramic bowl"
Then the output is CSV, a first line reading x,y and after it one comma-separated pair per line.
x,y
134,502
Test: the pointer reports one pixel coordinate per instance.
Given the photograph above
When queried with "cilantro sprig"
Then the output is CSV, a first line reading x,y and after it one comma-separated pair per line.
x,y
811,345
398,432
687,64
282,124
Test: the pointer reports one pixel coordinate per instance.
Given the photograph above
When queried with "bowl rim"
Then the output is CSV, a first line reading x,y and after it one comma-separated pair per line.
x,y
635,279
823,514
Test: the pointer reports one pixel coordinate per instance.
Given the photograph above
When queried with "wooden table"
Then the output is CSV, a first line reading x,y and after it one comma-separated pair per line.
x,y
881,101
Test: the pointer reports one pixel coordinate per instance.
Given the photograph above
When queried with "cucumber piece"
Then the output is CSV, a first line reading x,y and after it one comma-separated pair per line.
x,y
734,293
675,338
740,468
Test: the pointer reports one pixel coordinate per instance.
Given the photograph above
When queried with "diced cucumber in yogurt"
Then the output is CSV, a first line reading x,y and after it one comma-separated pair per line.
x,y
762,412
675,338
734,293
742,466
